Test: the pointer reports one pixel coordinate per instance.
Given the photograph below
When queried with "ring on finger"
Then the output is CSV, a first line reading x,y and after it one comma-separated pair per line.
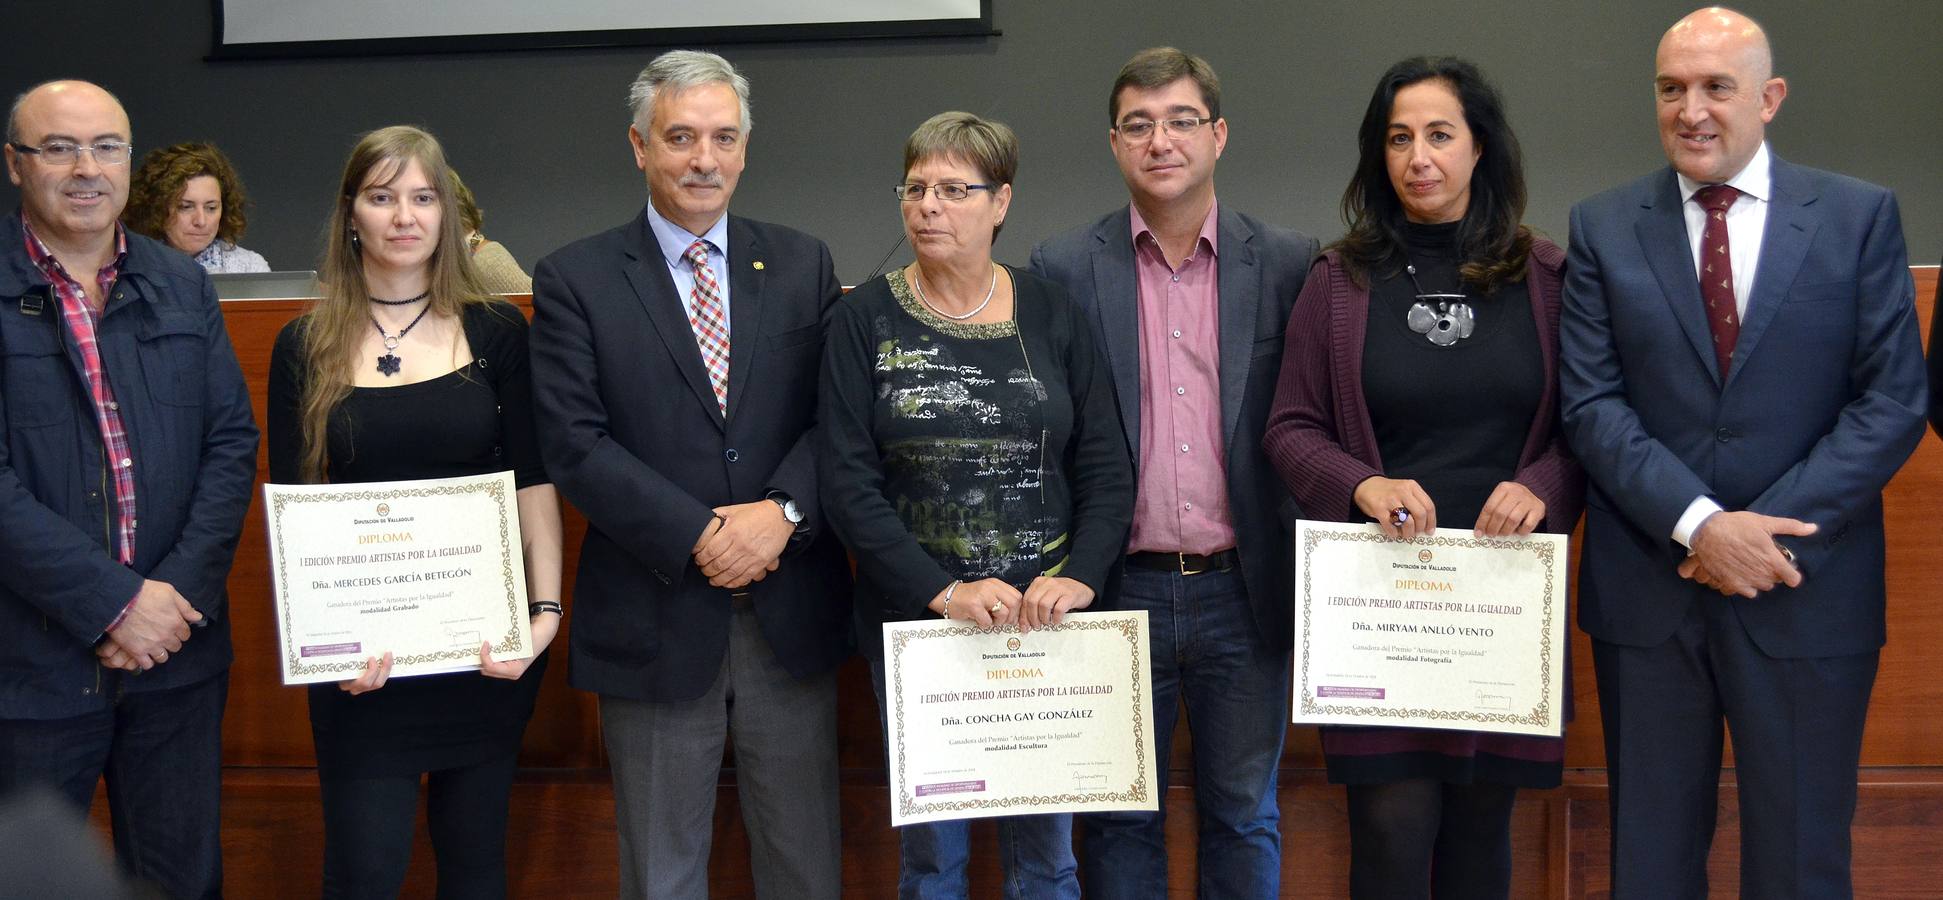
x,y
996,608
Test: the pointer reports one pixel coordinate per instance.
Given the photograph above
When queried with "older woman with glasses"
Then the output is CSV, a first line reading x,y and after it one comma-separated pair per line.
x,y
1419,388
970,454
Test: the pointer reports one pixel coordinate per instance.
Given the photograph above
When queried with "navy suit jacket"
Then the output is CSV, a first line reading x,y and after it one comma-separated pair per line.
x,y
1824,401
633,438
1260,269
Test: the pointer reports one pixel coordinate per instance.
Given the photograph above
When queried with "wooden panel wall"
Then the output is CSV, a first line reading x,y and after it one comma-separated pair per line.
x,y
563,814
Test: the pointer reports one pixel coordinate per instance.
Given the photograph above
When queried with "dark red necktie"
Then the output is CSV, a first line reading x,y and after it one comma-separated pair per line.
x,y
1717,272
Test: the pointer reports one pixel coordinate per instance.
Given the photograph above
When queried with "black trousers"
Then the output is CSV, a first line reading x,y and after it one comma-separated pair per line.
x,y
368,831
1421,838
1797,726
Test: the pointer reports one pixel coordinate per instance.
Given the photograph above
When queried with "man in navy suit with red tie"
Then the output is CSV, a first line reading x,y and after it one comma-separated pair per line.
x,y
1741,375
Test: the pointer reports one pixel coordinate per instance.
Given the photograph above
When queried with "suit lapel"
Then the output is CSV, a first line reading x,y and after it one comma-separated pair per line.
x,y
1116,303
1662,232
1240,290
745,307
647,273
1784,241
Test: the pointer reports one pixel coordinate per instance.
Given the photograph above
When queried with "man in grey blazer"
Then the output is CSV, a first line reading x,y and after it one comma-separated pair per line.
x,y
674,370
1741,374
1189,301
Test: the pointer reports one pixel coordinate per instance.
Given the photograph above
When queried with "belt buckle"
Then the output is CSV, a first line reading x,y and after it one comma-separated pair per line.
x,y
1182,558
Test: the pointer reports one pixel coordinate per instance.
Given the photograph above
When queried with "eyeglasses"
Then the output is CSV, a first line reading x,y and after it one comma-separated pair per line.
x,y
67,153
1141,130
946,190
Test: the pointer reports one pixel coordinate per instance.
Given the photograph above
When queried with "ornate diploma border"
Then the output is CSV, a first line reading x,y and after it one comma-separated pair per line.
x,y
1137,791
495,489
1540,716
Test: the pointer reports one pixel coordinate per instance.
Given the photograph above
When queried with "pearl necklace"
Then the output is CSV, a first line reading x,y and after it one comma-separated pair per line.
x,y
919,284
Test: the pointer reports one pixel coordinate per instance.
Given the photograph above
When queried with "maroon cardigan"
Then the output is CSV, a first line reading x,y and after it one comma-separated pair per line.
x,y
1319,434
1320,439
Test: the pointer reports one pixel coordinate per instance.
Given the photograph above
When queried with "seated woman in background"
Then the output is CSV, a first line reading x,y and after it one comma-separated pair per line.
x,y
405,369
499,272
1419,388
189,196
970,455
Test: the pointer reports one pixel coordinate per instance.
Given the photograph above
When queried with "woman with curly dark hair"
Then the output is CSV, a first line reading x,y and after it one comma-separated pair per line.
x,y
189,196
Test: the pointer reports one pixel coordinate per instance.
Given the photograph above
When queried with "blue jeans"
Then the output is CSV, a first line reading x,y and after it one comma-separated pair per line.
x,y
1036,851
161,753
1208,650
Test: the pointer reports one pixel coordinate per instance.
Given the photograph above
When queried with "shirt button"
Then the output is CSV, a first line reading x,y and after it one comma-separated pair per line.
x,y
126,462
1177,278
1183,448
1180,390
1187,506
731,455
1177,334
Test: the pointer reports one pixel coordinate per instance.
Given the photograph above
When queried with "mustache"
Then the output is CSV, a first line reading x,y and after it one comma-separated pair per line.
x,y
694,179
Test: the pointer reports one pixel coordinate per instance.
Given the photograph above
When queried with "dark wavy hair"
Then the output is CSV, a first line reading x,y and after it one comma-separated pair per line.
x,y
1491,241
158,184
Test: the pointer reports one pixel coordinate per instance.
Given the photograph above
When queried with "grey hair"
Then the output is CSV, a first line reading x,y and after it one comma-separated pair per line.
x,y
679,70
13,112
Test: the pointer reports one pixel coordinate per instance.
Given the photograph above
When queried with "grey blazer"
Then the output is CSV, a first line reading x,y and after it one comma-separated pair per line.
x,y
1260,268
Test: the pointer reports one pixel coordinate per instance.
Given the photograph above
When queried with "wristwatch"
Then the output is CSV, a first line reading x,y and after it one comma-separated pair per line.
x,y
790,512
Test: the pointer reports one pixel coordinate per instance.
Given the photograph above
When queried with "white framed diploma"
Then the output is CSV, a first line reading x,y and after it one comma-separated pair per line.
x,y
1450,630
426,570
995,723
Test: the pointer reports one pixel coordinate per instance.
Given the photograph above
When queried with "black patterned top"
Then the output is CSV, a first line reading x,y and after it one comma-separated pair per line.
x,y
954,451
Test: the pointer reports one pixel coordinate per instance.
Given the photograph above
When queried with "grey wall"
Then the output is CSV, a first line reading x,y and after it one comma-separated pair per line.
x,y
540,135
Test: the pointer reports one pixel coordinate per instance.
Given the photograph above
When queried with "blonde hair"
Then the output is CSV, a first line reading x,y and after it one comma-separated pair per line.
x,y
335,326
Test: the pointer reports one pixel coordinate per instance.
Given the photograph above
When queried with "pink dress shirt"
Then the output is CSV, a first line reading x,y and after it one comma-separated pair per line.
x,y
1181,491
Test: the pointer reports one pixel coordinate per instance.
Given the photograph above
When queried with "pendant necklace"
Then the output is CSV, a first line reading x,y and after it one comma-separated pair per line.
x,y
1451,321
919,284
388,363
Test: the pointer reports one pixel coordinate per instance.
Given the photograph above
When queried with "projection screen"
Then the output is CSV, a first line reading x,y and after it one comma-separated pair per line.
x,y
259,28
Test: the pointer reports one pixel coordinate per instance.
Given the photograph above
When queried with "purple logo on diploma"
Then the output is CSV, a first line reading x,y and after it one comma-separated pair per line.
x,y
1359,693
951,787
330,649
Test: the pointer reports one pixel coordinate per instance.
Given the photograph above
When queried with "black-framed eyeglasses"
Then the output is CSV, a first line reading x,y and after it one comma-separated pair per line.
x,y
946,190
1180,127
67,153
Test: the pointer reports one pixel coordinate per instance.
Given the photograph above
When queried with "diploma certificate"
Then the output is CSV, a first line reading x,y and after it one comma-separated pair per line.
x,y
995,723
427,570
1449,630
